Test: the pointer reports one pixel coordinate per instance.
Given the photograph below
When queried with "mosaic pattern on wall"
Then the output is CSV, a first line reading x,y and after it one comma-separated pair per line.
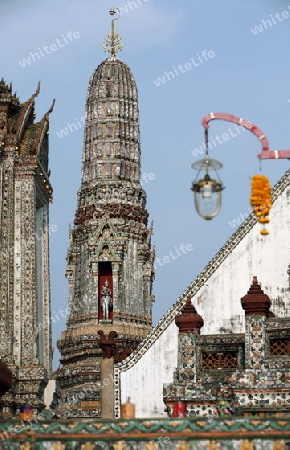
x,y
239,371
177,434
25,334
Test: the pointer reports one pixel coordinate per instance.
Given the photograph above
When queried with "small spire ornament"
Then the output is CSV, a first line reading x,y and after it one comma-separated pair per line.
x,y
113,40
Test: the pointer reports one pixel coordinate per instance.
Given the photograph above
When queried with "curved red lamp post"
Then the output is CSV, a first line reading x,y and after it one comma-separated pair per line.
x,y
265,153
208,191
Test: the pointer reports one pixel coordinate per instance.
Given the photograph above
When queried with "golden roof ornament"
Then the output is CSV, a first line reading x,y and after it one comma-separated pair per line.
x,y
113,40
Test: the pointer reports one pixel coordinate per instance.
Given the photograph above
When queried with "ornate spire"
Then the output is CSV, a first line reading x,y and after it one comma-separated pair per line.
x,y
255,301
110,260
189,321
113,40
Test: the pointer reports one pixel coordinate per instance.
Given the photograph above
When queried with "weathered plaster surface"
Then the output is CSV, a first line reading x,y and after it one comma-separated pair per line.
x,y
216,294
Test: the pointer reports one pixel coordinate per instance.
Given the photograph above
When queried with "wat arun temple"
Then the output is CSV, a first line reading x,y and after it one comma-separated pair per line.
x,y
222,351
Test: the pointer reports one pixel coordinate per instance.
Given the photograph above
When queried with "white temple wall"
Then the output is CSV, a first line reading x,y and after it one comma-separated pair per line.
x,y
266,257
217,300
143,383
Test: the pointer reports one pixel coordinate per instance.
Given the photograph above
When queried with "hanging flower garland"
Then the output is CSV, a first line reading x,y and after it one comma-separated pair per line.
x,y
261,200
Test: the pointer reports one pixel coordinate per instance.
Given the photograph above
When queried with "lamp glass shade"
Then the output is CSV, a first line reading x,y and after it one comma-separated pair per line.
x,y
207,197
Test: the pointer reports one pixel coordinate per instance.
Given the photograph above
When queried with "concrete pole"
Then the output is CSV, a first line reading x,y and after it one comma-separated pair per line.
x,y
107,388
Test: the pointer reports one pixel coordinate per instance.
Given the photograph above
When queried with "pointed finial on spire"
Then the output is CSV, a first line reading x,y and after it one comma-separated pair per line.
x,y
113,40
255,302
189,321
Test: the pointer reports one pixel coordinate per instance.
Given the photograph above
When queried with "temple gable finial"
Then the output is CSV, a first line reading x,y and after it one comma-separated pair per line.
x,y
113,40
37,91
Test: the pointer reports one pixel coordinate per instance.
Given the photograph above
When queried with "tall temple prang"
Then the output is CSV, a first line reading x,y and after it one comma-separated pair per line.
x,y
25,192
110,258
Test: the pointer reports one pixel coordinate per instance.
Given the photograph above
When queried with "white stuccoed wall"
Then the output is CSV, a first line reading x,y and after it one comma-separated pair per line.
x,y
216,294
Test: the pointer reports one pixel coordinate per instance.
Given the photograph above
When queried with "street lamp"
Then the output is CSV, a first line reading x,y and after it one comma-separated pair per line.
x,y
207,192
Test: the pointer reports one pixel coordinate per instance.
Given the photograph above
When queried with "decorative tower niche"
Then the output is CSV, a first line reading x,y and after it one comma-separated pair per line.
x,y
25,192
110,259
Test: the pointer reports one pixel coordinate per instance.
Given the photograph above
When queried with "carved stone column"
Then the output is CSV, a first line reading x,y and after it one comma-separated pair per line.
x,y
189,324
257,307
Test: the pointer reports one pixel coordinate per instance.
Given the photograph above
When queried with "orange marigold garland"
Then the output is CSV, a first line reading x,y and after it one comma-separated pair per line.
x,y
261,200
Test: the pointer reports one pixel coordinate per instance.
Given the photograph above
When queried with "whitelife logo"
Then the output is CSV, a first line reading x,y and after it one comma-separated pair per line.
x,y
130,6
265,24
199,59
213,142
48,49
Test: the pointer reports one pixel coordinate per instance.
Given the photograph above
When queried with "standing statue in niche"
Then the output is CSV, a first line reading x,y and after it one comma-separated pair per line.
x,y
106,300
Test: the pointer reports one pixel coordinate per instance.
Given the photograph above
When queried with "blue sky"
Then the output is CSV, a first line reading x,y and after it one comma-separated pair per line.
x,y
248,76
